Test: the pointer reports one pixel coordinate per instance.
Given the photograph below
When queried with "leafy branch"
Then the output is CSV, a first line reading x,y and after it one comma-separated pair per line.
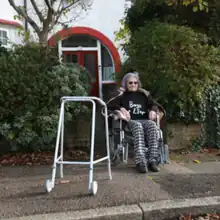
x,y
198,5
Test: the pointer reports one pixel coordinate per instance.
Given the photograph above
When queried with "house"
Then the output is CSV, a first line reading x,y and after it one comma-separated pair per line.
x,y
88,40
9,27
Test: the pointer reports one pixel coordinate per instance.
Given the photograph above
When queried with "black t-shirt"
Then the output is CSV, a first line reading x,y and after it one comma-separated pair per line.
x,y
136,103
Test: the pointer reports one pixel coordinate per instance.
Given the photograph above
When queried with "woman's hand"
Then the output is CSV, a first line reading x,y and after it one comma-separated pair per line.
x,y
152,115
126,113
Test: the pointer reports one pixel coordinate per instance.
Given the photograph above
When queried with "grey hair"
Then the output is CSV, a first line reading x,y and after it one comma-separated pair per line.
x,y
127,76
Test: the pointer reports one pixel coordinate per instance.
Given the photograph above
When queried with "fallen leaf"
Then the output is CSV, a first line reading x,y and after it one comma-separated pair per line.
x,y
41,182
39,158
149,177
197,161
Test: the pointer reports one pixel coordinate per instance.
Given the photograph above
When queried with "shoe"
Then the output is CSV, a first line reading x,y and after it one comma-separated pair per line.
x,y
141,168
154,167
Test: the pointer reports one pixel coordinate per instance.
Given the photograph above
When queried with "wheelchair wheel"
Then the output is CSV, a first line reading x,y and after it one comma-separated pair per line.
x,y
115,158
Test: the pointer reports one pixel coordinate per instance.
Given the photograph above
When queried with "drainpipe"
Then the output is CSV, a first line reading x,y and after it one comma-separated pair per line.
x,y
25,22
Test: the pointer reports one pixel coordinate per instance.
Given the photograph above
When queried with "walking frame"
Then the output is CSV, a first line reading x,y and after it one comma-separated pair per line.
x,y
58,159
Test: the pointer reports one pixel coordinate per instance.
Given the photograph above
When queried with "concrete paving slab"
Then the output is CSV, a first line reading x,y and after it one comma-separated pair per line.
x,y
22,197
158,210
22,192
190,185
129,212
176,168
172,209
36,171
204,167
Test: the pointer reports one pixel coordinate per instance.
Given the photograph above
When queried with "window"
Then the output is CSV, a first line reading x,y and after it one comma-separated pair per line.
x,y
107,66
79,40
3,37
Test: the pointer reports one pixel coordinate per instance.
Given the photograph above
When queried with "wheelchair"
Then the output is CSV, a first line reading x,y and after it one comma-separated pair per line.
x,y
121,142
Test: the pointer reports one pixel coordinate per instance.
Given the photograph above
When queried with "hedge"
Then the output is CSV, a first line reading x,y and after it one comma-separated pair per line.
x,y
32,81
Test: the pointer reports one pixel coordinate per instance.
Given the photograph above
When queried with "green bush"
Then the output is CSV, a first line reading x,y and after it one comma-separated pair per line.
x,y
175,63
32,83
210,118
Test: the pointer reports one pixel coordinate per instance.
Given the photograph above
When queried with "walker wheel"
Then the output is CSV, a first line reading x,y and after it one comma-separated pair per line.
x,y
48,186
93,188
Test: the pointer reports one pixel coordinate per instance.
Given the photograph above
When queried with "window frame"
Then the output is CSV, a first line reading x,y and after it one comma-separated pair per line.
x,y
7,33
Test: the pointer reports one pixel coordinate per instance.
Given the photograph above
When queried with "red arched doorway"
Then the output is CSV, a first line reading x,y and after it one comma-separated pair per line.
x,y
93,55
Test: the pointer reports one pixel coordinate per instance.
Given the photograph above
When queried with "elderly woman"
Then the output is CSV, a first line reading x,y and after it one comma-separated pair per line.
x,y
139,110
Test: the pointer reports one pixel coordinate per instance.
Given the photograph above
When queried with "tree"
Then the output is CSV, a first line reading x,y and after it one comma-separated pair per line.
x,y
179,12
49,14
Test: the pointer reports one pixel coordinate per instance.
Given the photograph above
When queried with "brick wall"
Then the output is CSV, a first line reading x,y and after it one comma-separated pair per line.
x,y
77,133
180,135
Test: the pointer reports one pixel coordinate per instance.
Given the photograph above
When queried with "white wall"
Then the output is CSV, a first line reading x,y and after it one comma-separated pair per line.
x,y
12,34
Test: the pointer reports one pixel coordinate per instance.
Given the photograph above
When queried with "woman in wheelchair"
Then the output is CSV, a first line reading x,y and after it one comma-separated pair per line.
x,y
136,106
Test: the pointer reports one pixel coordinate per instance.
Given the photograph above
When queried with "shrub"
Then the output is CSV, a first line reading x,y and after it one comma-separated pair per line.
x,y
32,83
176,64
210,118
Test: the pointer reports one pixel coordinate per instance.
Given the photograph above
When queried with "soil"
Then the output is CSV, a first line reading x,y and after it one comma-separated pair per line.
x,y
203,155
45,158
40,158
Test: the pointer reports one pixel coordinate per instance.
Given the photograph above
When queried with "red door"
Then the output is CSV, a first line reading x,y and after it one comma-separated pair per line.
x,y
88,59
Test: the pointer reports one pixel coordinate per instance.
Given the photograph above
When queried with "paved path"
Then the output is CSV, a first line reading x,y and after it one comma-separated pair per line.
x,y
22,192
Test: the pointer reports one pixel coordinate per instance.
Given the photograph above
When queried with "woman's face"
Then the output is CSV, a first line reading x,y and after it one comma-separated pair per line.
x,y
132,84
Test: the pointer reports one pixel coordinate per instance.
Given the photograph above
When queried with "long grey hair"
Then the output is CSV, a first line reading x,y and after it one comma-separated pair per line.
x,y
127,76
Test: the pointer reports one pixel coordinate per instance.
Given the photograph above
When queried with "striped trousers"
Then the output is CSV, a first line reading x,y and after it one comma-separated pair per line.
x,y
145,134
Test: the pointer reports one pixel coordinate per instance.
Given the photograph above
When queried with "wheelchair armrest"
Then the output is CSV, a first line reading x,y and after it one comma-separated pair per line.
x,y
117,115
